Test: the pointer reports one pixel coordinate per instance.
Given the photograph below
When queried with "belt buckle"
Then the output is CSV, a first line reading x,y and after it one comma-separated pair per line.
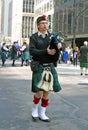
x,y
47,64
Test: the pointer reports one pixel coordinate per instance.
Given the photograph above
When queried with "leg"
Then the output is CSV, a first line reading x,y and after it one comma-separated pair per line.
x,y
27,62
76,61
36,100
44,104
86,71
13,62
2,61
81,71
22,62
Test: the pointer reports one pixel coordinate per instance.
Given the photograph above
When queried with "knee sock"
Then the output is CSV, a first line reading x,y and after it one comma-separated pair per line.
x,y
81,70
44,102
85,70
36,100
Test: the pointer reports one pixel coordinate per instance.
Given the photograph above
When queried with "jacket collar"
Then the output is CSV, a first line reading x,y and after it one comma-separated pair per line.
x,y
42,35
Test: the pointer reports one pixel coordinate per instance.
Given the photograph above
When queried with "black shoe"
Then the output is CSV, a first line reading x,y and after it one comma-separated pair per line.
x,y
86,74
35,118
81,74
12,64
21,64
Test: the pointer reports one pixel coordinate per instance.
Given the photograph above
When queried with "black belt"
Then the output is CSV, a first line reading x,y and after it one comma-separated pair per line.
x,y
46,64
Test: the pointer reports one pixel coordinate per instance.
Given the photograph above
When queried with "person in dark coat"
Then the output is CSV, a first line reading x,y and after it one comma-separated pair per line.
x,y
13,53
75,56
84,58
4,51
46,74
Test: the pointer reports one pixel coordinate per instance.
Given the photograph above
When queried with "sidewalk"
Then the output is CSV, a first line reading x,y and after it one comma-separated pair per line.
x,y
68,110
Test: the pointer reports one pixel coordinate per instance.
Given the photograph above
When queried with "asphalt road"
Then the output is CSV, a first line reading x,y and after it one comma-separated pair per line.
x,y
68,109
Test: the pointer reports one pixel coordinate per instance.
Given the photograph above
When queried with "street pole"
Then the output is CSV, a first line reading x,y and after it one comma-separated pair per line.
x,y
74,22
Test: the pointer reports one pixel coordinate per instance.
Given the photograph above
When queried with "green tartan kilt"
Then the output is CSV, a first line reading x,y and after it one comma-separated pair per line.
x,y
3,56
84,64
25,56
36,77
14,56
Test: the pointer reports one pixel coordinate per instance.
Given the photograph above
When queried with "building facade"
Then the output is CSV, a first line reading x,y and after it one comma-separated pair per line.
x,y
1,20
27,18
21,16
0,14
67,17
44,7
4,7
70,17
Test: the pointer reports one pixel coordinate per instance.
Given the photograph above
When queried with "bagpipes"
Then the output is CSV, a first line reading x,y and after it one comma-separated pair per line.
x,y
54,41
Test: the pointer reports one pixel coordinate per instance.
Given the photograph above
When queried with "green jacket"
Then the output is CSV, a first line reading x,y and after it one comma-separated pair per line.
x,y
84,54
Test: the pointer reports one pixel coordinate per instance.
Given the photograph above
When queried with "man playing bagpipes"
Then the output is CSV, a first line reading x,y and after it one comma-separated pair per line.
x,y
45,77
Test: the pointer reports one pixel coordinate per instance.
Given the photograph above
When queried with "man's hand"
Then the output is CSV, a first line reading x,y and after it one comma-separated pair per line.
x,y
50,51
59,46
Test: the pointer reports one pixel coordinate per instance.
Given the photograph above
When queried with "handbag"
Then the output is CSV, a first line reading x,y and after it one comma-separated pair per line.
x,y
34,65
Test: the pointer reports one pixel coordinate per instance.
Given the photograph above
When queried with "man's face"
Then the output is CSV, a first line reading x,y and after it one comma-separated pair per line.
x,y
42,26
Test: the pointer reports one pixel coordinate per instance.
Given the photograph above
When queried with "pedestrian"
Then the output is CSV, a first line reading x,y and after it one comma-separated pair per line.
x,y
4,51
45,77
65,56
75,56
18,49
25,54
84,58
13,53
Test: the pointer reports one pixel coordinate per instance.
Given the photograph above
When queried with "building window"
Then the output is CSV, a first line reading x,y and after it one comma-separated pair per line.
x,y
27,26
28,6
69,22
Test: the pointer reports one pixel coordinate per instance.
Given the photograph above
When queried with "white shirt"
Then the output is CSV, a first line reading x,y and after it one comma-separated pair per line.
x,y
5,48
42,34
23,48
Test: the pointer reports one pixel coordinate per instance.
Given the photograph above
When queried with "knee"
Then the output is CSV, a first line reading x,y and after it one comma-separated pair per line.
x,y
39,94
45,95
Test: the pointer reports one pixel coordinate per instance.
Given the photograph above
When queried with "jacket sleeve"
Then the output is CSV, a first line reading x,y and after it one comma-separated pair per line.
x,y
34,51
